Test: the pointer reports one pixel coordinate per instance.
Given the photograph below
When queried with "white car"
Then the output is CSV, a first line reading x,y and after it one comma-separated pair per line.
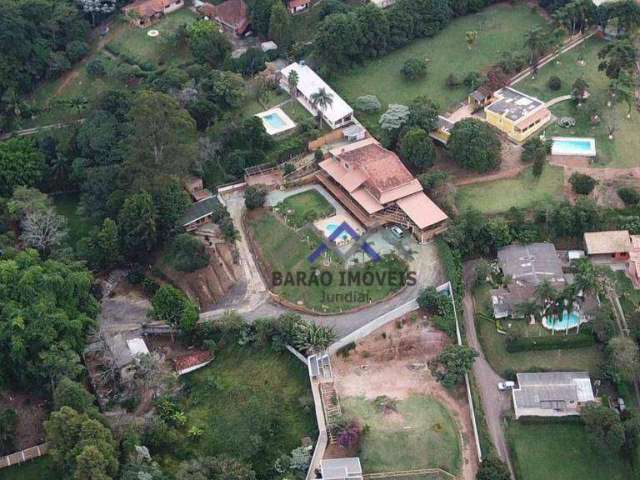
x,y
502,386
397,232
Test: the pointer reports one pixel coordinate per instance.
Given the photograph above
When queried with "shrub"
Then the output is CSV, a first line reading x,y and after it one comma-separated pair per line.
x,y
96,68
630,196
414,68
289,168
582,184
187,253
254,196
453,81
8,424
367,103
554,83
76,49
551,342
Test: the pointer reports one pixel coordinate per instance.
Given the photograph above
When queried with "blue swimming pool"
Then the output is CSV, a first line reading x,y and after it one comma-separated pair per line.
x,y
569,320
274,120
329,228
574,146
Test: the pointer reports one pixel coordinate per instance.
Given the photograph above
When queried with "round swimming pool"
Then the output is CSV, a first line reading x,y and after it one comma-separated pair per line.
x,y
569,320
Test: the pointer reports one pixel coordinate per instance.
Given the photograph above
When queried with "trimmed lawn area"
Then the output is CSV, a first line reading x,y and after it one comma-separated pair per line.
x,y
134,41
67,205
304,207
500,28
621,152
562,451
253,404
494,347
421,434
38,469
285,250
521,191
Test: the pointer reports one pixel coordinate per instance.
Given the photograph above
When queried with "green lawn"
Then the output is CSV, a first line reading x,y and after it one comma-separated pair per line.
x,y
135,42
421,434
304,207
619,152
562,451
521,191
255,405
628,295
493,346
500,28
39,469
67,206
286,250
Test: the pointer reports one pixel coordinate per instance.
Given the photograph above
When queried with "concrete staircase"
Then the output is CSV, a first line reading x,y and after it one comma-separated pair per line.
x,y
331,407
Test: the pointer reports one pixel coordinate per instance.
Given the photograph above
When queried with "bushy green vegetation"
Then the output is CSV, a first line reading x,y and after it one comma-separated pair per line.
x,y
33,470
426,436
305,207
253,404
562,450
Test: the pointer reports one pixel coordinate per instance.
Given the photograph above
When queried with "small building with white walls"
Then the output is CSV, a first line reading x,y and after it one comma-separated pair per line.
x,y
336,115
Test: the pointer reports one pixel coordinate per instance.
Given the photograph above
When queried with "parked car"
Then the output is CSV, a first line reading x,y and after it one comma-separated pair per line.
x,y
397,232
502,386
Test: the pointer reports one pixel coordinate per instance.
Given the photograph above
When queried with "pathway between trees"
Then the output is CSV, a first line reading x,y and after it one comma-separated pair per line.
x,y
494,402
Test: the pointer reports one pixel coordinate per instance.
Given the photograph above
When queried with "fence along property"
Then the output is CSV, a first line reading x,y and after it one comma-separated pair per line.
x,y
23,456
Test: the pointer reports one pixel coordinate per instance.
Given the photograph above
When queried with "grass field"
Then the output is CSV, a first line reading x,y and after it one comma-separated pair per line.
x,y
135,42
67,206
422,434
255,405
562,451
494,348
286,251
500,28
622,150
38,469
305,206
522,191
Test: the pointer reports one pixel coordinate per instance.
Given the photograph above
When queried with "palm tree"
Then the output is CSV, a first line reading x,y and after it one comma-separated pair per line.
x,y
528,309
321,100
292,83
536,43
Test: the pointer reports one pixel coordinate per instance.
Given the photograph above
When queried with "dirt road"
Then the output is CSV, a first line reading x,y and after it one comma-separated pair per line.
x,y
494,403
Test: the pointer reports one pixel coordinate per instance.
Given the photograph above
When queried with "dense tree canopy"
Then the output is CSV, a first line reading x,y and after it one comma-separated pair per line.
x,y
46,309
475,145
21,163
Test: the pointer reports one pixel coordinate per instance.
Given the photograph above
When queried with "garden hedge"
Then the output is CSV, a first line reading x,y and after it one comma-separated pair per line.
x,y
551,342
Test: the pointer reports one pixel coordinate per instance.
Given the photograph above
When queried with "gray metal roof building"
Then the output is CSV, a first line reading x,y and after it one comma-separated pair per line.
x,y
551,394
532,263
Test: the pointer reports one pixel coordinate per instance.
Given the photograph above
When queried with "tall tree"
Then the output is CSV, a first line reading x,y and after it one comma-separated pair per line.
x,y
163,141
207,43
137,225
21,163
417,149
475,145
617,56
280,25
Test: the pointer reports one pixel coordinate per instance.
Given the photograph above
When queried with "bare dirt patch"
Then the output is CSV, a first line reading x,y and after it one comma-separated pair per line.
x,y
392,361
31,411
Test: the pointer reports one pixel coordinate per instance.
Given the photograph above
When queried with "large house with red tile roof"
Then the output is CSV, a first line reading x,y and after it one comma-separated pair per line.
x,y
376,187
144,12
232,15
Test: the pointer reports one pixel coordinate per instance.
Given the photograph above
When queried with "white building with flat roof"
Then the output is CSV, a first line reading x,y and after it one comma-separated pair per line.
x,y
336,115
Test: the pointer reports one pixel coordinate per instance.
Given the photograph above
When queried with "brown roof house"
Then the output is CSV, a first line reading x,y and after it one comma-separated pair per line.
x,y
295,6
376,187
617,248
232,15
144,12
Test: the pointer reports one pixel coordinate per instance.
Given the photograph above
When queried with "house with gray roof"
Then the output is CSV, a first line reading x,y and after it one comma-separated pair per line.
x,y
199,213
527,266
551,394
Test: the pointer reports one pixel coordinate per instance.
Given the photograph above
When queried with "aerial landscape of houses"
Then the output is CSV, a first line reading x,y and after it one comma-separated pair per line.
x,y
319,239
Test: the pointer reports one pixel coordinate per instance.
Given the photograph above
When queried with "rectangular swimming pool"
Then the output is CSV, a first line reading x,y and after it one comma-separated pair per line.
x,y
584,147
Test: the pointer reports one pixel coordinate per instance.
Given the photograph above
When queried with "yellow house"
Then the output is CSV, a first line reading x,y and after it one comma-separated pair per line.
x,y
517,114
443,131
